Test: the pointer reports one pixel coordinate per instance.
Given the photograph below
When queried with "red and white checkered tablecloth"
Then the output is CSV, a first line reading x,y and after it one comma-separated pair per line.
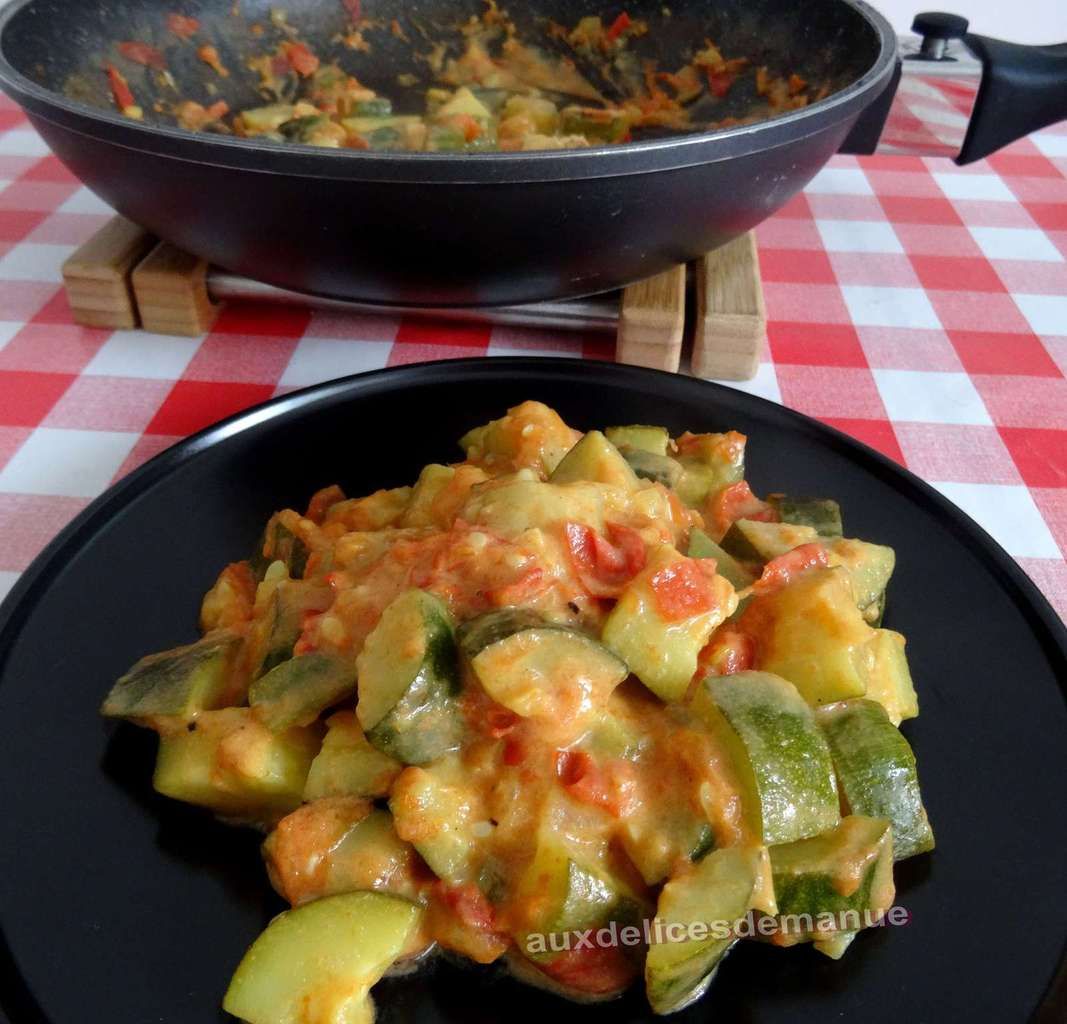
x,y
919,306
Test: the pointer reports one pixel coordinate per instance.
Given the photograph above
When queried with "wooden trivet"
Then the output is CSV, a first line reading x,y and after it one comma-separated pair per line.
x,y
123,278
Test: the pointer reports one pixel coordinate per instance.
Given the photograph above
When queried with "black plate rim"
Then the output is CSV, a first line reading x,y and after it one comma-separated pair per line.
x,y
31,585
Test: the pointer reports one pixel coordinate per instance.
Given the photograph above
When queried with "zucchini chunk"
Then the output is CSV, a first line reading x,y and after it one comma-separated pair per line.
x,y
318,962
432,481
847,873
435,811
811,633
823,515
712,895
870,567
347,765
408,680
752,541
657,843
876,772
512,505
178,682
561,891
637,437
660,469
889,679
781,758
595,458
279,620
709,462
538,669
297,691
335,845
231,762
509,441
702,546
661,652
279,544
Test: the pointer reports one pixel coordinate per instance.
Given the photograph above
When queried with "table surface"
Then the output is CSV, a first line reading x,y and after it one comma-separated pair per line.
x,y
919,306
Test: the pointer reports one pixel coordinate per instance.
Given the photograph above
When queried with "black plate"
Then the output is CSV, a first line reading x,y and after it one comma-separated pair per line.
x,y
119,906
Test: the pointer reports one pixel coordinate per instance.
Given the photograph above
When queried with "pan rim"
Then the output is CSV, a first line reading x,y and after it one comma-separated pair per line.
x,y
671,153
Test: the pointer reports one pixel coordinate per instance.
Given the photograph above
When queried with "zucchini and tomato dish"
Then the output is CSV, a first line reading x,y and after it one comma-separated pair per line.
x,y
572,682
490,90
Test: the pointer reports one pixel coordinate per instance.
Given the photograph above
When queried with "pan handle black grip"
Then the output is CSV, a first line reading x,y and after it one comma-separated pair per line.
x,y
1023,88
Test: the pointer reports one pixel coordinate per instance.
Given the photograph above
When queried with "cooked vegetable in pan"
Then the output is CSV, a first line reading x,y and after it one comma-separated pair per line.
x,y
581,85
573,685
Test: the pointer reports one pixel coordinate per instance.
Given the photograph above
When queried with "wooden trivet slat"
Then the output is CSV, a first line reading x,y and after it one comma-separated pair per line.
x,y
123,277
731,318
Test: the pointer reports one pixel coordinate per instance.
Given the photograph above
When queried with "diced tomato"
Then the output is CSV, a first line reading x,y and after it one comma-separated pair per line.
x,y
514,752
182,26
682,590
618,26
210,56
466,124
598,971
301,59
738,502
729,651
468,903
610,787
527,586
142,53
785,568
120,89
354,8
720,82
500,721
605,565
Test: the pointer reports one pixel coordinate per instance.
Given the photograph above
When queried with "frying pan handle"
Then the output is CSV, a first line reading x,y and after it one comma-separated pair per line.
x,y
1000,92
1023,88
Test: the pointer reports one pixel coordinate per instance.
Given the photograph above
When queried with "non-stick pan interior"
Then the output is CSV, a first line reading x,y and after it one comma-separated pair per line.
x,y
65,46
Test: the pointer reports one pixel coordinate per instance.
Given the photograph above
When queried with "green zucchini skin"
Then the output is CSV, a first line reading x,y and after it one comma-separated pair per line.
x,y
822,514
276,635
423,722
782,757
297,691
639,437
279,544
751,541
176,682
571,895
702,546
876,771
720,888
477,634
809,874
660,469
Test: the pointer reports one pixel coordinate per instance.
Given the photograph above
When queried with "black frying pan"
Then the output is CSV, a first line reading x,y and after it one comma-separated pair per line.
x,y
436,229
